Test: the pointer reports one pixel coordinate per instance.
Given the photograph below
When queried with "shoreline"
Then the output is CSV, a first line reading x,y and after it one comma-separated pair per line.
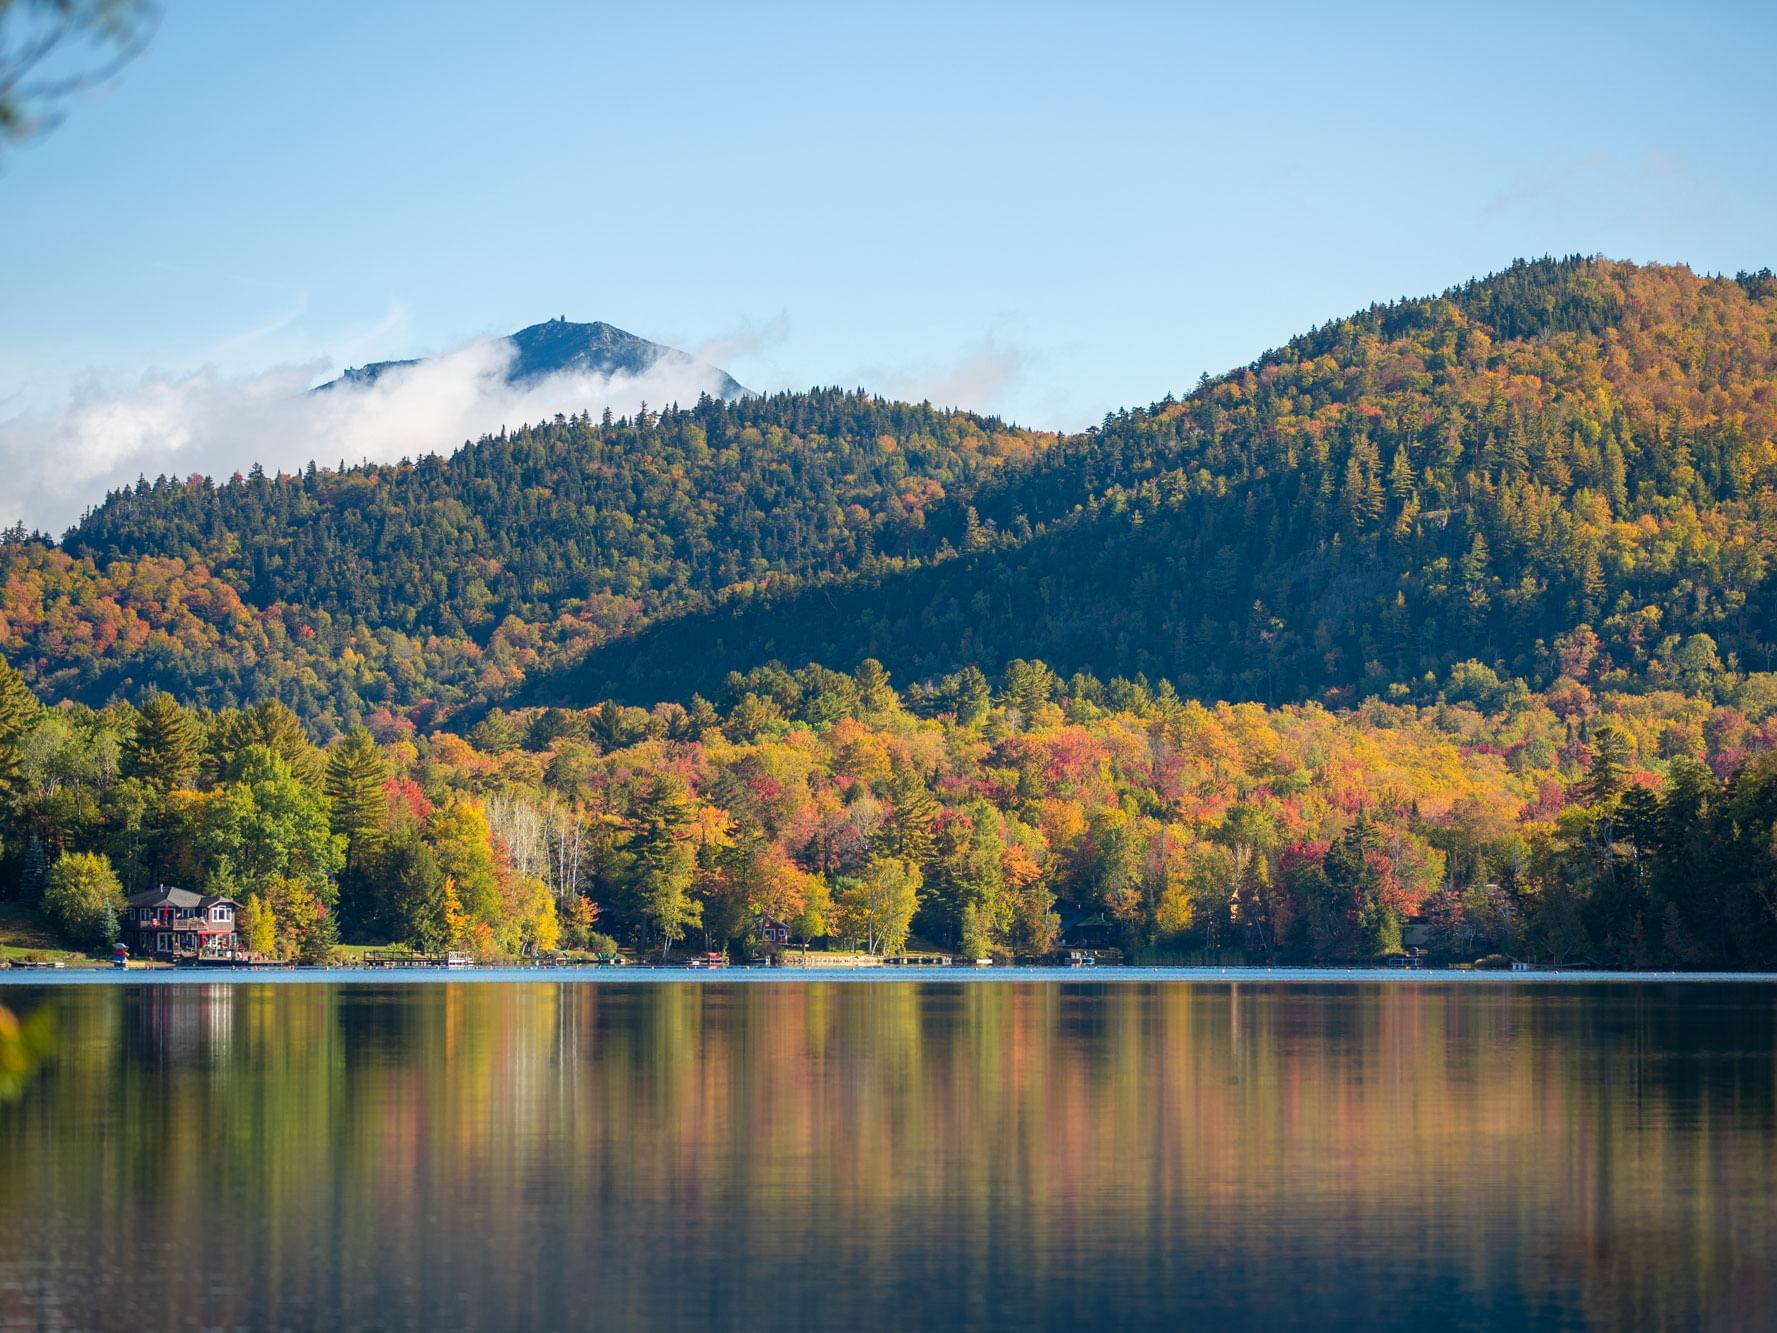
x,y
651,976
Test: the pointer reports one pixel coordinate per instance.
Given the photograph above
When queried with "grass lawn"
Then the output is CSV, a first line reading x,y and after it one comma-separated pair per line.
x,y
354,953
24,934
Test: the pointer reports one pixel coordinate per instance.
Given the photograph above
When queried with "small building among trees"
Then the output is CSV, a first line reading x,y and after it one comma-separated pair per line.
x,y
177,923
773,931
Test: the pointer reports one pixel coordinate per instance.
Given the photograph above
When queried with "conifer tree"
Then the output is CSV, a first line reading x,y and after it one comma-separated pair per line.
x,y
973,697
18,710
165,747
34,874
1608,772
664,861
414,895
1401,481
875,693
271,724
356,777
911,831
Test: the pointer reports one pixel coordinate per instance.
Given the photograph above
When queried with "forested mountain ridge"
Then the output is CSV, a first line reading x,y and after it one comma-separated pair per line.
x,y
1562,472
434,582
1356,513
559,346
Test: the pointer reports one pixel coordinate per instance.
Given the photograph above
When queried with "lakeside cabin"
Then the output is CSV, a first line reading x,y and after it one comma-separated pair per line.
x,y
176,923
773,931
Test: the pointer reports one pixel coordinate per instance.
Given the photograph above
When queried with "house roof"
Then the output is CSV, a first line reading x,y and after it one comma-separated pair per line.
x,y
163,895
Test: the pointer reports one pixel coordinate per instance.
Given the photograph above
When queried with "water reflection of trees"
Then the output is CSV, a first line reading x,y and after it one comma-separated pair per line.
x,y
500,1154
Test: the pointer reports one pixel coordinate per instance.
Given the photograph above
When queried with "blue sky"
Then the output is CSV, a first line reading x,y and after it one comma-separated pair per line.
x,y
1042,210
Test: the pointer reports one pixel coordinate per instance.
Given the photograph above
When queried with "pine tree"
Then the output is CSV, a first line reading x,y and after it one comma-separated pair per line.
x,y
609,728
357,807
664,860
1402,484
1357,509
972,697
356,777
18,711
701,718
413,896
271,724
911,831
34,873
1616,484
494,734
1515,454
165,747
1475,562
1607,775
1027,686
975,538
874,691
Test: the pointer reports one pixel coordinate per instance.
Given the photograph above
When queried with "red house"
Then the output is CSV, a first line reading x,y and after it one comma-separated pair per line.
x,y
177,923
773,931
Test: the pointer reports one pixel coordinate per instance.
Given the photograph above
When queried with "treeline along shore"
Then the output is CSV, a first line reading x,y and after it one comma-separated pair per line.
x,y
1010,818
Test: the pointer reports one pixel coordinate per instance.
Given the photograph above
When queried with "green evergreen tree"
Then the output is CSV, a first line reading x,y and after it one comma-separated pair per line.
x,y
664,861
357,805
34,873
1027,686
1607,772
356,778
911,830
165,747
407,896
272,725
875,693
973,698
18,711
494,734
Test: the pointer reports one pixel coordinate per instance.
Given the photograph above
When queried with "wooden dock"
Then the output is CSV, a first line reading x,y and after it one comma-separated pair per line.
x,y
918,960
800,958
402,958
232,964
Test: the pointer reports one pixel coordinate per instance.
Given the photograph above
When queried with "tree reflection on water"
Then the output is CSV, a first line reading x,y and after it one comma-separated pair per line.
x,y
878,1155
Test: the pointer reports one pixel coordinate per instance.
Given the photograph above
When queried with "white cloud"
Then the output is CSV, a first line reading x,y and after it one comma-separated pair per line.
x,y
984,377
56,463
746,340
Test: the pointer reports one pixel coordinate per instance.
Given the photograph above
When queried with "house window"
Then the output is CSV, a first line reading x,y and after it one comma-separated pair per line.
x,y
222,914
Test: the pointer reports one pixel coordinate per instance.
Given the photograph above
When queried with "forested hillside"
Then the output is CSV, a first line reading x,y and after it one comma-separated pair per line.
x,y
1563,472
426,584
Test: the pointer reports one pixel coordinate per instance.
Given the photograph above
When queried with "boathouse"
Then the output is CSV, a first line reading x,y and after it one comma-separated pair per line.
x,y
177,923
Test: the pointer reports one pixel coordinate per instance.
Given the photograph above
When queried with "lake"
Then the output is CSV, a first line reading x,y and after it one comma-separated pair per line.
x,y
860,1155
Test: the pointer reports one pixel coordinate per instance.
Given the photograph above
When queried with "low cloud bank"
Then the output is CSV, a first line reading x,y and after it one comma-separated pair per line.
x,y
56,464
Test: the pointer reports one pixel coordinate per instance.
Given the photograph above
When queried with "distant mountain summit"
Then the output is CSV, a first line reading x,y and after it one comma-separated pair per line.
x,y
558,346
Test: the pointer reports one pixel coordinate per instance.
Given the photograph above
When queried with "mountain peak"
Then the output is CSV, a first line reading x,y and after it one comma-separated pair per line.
x,y
559,346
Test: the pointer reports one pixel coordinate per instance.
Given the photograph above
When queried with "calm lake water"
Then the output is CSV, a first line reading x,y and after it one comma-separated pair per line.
x,y
922,1154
